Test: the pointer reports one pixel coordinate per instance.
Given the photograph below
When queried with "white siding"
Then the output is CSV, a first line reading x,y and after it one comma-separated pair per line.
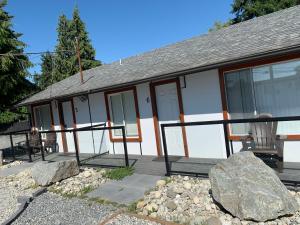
x,y
57,125
98,114
202,102
85,138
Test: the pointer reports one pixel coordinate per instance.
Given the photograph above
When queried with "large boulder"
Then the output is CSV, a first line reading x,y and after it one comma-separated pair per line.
x,y
250,190
45,173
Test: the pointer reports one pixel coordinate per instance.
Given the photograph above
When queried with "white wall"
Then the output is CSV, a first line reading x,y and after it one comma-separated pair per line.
x,y
98,114
148,144
202,102
85,138
57,125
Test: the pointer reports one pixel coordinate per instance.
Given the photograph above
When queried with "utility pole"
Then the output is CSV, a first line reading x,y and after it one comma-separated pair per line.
x,y
79,60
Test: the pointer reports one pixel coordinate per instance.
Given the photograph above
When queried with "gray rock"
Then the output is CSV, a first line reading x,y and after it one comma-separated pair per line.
x,y
45,174
171,205
170,193
250,190
213,221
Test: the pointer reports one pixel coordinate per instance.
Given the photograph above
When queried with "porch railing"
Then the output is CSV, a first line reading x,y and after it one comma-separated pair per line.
x,y
227,141
98,127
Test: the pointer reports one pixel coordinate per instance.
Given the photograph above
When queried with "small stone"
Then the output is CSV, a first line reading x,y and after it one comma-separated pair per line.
x,y
140,204
186,178
198,220
161,183
196,200
157,194
187,185
152,207
207,207
178,190
171,205
153,215
213,221
87,174
171,193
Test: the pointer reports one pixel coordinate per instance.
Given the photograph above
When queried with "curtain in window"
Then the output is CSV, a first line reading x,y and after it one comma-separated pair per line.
x,y
272,89
240,98
43,119
124,113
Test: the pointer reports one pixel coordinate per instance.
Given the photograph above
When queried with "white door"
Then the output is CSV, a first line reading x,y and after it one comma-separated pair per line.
x,y
168,112
68,120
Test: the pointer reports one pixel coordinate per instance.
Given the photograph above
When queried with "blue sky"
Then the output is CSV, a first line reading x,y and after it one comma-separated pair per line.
x,y
117,28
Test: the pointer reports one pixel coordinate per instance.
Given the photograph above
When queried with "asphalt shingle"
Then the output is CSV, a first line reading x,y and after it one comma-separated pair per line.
x,y
273,32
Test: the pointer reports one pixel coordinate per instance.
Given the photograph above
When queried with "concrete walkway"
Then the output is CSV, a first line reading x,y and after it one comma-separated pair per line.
x,y
126,191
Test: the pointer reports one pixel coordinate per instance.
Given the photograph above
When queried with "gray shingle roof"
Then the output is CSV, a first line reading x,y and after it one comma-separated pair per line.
x,y
273,32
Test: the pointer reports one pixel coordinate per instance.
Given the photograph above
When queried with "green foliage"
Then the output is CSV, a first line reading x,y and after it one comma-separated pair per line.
x,y
219,25
65,62
46,70
119,173
13,68
248,9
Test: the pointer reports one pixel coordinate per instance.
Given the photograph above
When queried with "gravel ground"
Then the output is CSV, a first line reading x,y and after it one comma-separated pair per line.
x,y
129,220
52,209
10,188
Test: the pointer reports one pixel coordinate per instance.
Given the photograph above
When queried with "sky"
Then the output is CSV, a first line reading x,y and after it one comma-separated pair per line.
x,y
117,28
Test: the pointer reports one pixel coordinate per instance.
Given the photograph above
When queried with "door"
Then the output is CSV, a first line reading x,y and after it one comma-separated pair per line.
x,y
67,123
168,111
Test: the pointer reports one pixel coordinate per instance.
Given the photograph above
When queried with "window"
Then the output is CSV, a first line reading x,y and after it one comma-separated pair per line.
x,y
123,111
272,89
42,117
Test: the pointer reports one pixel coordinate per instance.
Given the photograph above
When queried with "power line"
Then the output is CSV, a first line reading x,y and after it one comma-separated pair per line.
x,y
35,53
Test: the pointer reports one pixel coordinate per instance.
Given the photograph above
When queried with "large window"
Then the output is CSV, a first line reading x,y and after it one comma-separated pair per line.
x,y
123,112
42,115
273,89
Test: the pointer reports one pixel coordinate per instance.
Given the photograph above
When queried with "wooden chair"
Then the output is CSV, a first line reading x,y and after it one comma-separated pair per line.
x,y
50,142
264,143
34,142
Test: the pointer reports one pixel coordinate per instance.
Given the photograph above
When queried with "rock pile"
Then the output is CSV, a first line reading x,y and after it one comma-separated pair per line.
x,y
86,180
189,201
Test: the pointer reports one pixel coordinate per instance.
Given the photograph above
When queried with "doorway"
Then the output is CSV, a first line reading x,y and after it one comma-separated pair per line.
x,y
67,122
167,108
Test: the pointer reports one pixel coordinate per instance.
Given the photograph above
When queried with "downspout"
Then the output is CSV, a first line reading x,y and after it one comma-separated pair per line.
x,y
88,100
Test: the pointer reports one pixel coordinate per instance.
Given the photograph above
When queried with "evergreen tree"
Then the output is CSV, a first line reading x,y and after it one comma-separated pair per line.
x,y
65,51
65,62
87,52
45,78
13,67
248,9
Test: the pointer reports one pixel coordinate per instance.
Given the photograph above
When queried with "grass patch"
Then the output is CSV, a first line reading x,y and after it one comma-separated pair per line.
x,y
119,173
132,207
86,190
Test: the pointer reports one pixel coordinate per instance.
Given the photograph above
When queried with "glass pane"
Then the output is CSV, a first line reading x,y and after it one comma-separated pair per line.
x,y
117,113
281,93
240,98
130,113
43,118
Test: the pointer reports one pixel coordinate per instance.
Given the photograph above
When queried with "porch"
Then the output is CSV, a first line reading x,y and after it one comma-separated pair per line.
x,y
152,165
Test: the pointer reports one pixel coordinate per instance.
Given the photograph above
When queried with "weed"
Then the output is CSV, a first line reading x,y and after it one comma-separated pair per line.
x,y
119,173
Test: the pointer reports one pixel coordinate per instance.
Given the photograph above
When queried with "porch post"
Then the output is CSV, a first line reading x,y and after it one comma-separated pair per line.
x,y
226,139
